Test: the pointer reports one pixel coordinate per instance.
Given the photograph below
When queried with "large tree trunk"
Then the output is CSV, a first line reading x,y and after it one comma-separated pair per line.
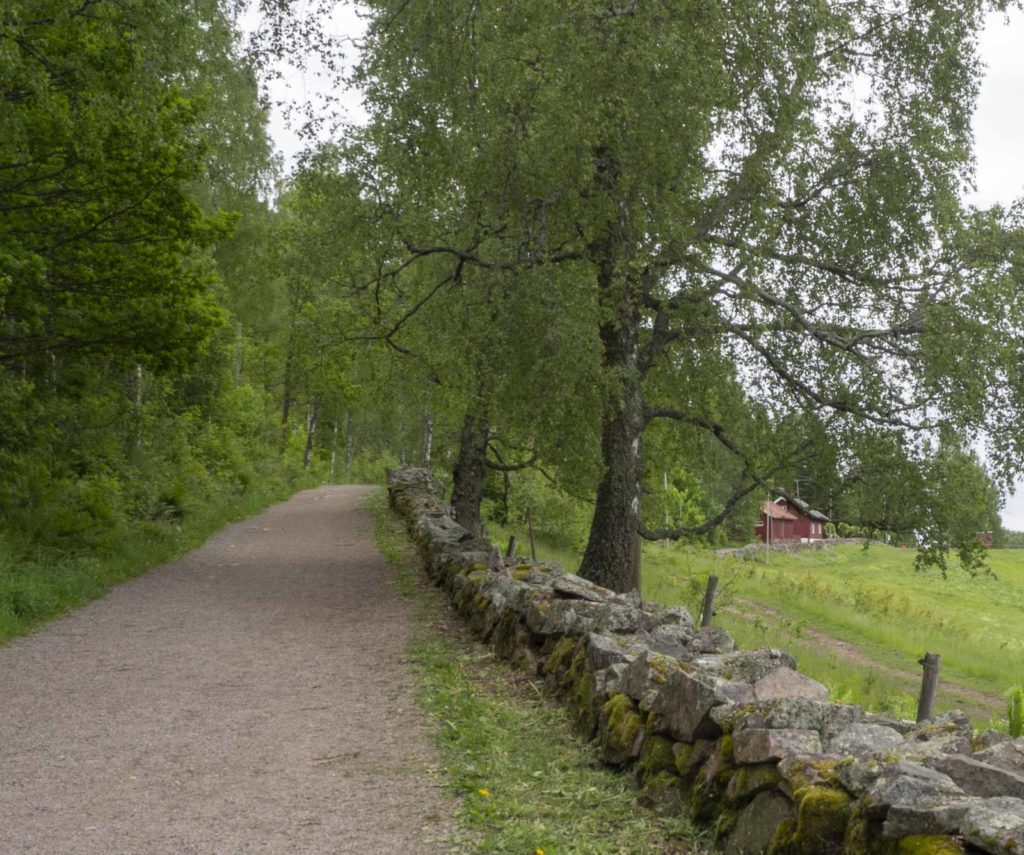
x,y
470,469
610,558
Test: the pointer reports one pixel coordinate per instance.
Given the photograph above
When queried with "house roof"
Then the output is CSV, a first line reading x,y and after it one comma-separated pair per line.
x,y
778,512
805,509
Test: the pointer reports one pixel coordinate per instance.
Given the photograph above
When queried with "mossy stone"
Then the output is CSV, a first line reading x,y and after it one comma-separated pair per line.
x,y
557,661
691,756
620,730
656,756
928,844
820,826
748,781
708,795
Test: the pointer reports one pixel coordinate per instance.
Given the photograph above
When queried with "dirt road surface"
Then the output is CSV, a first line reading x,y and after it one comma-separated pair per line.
x,y
251,697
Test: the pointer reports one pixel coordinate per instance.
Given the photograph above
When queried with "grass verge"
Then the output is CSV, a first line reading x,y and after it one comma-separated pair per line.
x,y
525,781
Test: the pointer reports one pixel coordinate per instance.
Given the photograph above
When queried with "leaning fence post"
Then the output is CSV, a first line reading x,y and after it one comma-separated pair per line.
x,y
529,525
929,684
511,551
707,611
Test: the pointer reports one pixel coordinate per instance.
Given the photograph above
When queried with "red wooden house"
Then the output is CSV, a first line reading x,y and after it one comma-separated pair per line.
x,y
789,521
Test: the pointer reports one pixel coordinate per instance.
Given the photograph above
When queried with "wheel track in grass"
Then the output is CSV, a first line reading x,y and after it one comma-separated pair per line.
x,y
979,705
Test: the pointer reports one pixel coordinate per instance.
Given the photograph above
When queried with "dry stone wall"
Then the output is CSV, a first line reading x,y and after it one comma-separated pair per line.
x,y
741,741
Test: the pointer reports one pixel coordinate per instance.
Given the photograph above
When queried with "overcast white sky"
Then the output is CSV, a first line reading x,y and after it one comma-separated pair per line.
x,y
999,147
998,127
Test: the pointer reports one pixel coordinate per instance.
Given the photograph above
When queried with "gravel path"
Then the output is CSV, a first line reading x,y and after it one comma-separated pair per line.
x,y
251,697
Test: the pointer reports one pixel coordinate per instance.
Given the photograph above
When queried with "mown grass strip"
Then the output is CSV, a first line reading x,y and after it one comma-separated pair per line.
x,y
525,782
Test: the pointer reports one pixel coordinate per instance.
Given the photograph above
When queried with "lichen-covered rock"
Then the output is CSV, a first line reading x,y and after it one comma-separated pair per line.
x,y
756,824
787,683
1005,755
673,618
995,826
546,616
620,730
800,714
604,650
761,745
574,587
980,779
859,739
924,819
990,738
687,698
608,681
947,733
908,783
747,666
646,676
711,639
507,593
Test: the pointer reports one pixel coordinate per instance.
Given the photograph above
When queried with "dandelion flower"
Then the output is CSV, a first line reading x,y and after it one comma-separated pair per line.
x,y
484,792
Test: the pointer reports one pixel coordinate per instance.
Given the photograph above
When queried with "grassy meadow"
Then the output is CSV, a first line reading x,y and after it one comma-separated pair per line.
x,y
859,620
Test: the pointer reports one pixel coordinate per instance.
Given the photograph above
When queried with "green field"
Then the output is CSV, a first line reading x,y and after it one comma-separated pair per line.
x,y
858,620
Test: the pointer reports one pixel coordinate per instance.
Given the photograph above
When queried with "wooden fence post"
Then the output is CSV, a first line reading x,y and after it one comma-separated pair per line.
x,y
511,551
929,684
707,611
529,525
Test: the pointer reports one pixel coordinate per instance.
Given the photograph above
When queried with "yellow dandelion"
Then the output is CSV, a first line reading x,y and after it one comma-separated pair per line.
x,y
538,852
483,792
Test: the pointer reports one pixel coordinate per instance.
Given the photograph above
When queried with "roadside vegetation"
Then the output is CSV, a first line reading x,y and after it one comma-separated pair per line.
x,y
525,782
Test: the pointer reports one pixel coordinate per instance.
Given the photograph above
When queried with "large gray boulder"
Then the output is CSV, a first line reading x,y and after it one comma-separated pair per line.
x,y
686,700
1005,755
995,826
761,746
756,824
787,683
980,779
747,666
908,783
926,818
645,677
825,717
546,616
604,650
859,739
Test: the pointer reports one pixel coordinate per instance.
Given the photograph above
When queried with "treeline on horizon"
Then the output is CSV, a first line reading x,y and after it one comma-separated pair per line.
x,y
563,303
